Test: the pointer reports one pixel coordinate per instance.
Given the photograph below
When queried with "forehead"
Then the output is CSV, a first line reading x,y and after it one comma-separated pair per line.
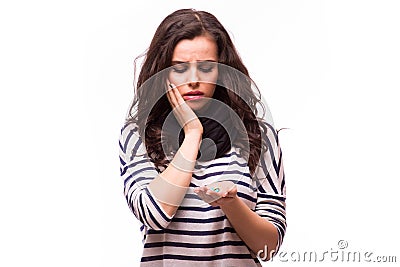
x,y
198,49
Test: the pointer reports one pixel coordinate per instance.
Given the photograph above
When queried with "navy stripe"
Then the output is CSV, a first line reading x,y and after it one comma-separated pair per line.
x,y
266,202
272,130
266,171
233,153
122,162
193,185
128,137
276,212
134,164
271,183
281,235
274,221
137,172
125,126
198,208
220,173
137,180
154,219
194,245
196,258
245,196
193,220
132,207
221,164
251,188
135,149
261,195
280,232
271,152
259,182
193,232
281,229
121,147
141,207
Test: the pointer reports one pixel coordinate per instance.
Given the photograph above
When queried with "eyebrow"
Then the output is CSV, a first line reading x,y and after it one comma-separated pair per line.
x,y
198,61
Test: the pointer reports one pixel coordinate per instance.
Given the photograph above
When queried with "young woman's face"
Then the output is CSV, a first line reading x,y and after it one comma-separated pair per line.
x,y
194,70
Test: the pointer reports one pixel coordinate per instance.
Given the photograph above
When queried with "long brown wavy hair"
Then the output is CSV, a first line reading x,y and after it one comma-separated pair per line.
x,y
150,106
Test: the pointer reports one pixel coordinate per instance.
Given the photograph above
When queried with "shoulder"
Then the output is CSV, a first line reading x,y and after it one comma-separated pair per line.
x,y
129,133
130,142
269,135
271,154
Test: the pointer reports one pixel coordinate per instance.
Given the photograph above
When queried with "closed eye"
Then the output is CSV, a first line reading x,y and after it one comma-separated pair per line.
x,y
206,70
206,66
179,69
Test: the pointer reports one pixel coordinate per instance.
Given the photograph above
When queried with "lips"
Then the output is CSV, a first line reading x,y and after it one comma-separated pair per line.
x,y
192,95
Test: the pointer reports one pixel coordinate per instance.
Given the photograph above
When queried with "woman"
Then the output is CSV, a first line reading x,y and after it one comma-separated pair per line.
x,y
202,173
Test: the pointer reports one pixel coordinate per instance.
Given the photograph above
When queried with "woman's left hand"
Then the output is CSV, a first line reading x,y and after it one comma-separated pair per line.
x,y
217,199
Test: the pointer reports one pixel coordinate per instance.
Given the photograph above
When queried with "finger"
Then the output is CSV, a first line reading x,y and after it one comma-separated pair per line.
x,y
214,204
167,92
213,195
169,98
229,194
172,96
201,189
177,95
198,190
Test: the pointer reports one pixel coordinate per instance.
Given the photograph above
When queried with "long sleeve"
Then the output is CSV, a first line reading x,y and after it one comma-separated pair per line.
x,y
271,193
137,171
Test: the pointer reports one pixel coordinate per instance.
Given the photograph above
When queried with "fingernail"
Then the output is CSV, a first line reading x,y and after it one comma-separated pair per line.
x,y
170,85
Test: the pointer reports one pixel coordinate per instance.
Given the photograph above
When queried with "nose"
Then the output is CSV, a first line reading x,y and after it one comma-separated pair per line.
x,y
194,77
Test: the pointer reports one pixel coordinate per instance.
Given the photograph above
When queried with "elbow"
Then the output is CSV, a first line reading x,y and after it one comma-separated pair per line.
x,y
265,253
151,222
149,213
269,247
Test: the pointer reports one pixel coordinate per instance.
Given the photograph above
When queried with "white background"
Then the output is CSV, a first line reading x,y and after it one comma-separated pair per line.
x,y
329,71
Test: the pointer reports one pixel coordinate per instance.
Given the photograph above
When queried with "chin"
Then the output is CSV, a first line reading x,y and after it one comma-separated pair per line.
x,y
196,105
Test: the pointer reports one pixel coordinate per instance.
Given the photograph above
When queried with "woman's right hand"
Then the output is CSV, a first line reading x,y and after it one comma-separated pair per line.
x,y
183,113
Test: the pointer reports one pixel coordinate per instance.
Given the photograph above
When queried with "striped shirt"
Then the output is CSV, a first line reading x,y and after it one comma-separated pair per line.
x,y
199,234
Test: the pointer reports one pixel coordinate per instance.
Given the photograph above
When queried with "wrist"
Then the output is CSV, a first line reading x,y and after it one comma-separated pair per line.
x,y
194,135
231,205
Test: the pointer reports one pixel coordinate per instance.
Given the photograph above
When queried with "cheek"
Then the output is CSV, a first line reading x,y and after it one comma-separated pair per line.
x,y
209,88
176,79
210,83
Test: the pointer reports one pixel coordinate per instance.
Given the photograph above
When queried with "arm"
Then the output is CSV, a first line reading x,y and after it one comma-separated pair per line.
x,y
265,226
170,187
141,179
254,230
